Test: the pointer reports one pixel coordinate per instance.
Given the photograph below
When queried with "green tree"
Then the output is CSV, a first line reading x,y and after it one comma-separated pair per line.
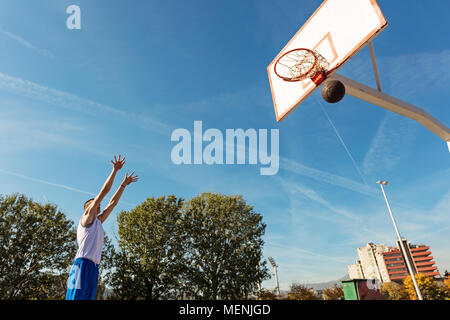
x,y
106,266
37,246
333,293
100,292
224,247
394,291
149,263
301,292
446,287
47,286
265,294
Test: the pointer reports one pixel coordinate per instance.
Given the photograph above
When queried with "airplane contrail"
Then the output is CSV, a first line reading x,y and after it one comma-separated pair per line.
x,y
57,185
46,182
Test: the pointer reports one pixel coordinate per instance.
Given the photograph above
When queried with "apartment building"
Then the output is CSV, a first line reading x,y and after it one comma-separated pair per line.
x,y
388,264
420,257
370,264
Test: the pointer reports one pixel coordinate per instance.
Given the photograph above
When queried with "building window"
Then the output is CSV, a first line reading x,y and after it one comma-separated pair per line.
x,y
392,260
400,275
397,270
395,264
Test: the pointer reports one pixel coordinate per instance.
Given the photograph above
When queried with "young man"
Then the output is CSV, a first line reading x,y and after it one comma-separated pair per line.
x,y
82,283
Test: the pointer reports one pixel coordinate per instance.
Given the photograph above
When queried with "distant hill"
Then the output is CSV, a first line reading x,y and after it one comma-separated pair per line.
x,y
314,286
321,285
328,284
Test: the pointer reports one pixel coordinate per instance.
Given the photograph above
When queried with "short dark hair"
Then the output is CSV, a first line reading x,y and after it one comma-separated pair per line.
x,y
86,204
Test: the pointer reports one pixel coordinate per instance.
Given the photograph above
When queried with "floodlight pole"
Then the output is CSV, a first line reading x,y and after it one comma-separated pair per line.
x,y
408,264
274,265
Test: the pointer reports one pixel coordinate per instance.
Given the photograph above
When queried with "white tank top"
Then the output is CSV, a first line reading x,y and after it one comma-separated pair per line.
x,y
90,241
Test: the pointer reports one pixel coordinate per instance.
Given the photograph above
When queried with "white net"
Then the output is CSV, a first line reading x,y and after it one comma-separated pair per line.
x,y
300,64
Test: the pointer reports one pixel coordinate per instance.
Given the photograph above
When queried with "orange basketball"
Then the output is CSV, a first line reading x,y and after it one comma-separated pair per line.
x,y
333,91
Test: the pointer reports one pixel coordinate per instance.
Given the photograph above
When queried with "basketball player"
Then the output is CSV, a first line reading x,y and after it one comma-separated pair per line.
x,y
83,276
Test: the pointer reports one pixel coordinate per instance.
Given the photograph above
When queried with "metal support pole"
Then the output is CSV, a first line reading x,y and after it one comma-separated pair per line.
x,y
374,64
363,92
408,264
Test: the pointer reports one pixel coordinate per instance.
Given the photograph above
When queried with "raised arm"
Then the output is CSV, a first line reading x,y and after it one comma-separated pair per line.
x,y
115,199
92,210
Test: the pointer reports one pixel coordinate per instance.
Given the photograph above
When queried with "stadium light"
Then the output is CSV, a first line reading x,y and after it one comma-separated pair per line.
x,y
274,265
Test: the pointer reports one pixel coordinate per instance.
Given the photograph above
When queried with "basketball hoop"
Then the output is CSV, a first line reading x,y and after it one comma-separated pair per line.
x,y
300,64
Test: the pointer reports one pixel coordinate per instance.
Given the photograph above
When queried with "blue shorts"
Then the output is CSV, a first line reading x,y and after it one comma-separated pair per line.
x,y
82,282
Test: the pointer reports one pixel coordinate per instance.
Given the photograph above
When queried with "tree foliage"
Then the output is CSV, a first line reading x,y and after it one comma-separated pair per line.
x,y
149,262
446,287
429,289
333,293
105,267
265,294
37,245
394,291
301,292
224,247
207,248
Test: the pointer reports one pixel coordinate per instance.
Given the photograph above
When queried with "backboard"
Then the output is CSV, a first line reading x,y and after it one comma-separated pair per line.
x,y
337,30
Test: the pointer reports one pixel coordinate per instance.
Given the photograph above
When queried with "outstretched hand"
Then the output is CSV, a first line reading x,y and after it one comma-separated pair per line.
x,y
129,179
117,163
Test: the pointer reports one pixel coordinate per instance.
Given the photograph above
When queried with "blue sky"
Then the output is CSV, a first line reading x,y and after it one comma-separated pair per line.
x,y
71,99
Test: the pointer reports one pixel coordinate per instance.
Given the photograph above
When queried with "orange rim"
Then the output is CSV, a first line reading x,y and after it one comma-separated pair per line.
x,y
300,77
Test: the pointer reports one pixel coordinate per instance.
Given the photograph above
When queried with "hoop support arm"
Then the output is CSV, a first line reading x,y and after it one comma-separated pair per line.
x,y
368,94
374,65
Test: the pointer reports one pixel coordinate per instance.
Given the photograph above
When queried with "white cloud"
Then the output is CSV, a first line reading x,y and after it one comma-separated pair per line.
x,y
390,144
62,99
21,132
402,75
56,185
25,43
329,178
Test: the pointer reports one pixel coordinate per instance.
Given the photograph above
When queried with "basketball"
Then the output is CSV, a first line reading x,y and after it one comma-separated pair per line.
x,y
333,91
